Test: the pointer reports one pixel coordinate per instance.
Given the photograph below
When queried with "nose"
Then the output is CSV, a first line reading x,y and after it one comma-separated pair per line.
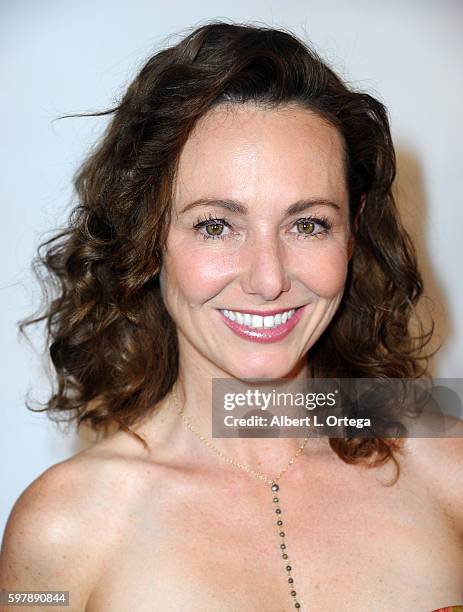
x,y
266,274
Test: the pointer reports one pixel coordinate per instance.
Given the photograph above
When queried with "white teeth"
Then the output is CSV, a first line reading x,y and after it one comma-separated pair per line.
x,y
269,321
258,321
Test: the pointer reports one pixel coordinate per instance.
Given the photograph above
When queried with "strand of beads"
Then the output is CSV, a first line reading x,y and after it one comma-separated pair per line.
x,y
284,553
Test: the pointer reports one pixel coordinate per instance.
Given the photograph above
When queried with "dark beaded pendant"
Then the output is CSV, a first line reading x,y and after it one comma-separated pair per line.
x,y
282,534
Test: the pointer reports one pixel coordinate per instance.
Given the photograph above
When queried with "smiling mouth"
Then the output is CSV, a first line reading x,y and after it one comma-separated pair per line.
x,y
260,326
255,321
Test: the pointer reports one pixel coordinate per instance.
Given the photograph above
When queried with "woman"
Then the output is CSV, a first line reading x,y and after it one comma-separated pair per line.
x,y
239,179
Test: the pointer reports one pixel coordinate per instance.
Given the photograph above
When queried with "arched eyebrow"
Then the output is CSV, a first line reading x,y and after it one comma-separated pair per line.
x,y
239,208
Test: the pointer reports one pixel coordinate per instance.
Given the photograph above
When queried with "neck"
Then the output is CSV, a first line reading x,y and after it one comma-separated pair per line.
x,y
192,393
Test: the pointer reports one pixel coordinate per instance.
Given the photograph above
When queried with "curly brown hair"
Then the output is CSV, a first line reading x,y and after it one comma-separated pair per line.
x,y
111,341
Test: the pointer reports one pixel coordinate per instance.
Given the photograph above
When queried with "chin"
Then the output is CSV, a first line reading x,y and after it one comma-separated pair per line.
x,y
267,370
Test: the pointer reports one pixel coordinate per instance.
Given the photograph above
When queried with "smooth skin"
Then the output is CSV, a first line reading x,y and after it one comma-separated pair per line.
x,y
176,528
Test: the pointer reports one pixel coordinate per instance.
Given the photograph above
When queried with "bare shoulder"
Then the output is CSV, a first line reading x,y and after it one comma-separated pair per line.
x,y
67,522
439,461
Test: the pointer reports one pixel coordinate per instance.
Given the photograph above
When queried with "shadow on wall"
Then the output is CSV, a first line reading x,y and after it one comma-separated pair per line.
x,y
412,204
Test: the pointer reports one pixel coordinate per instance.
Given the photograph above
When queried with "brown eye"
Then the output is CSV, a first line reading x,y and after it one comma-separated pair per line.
x,y
305,227
214,229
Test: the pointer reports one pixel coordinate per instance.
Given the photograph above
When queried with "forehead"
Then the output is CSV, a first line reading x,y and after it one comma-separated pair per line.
x,y
254,154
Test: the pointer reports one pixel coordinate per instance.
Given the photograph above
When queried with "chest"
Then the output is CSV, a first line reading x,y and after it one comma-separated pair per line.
x,y
220,549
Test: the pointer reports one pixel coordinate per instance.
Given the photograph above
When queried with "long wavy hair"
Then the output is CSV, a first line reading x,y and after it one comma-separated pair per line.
x,y
111,341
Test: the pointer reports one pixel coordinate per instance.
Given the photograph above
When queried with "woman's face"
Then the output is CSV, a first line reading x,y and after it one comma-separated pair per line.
x,y
257,252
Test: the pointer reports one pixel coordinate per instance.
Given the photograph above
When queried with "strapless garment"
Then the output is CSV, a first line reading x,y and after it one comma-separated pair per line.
x,y
458,608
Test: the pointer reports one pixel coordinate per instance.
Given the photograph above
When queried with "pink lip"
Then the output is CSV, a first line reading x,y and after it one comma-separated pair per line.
x,y
262,334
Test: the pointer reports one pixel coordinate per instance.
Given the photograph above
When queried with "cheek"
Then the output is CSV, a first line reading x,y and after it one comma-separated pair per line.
x,y
198,274
324,270
195,275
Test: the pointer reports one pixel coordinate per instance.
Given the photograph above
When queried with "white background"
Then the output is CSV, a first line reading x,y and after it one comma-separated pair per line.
x,y
61,57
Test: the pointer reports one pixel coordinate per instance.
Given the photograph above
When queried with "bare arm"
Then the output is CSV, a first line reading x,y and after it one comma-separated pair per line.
x,y
45,545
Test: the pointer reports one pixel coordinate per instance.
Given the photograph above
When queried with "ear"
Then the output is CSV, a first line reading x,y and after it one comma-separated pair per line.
x,y
350,244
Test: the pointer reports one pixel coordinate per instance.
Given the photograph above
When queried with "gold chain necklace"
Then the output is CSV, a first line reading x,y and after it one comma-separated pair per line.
x,y
271,481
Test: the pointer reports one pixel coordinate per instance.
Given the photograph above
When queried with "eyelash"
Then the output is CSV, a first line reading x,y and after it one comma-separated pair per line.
x,y
201,222
209,220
